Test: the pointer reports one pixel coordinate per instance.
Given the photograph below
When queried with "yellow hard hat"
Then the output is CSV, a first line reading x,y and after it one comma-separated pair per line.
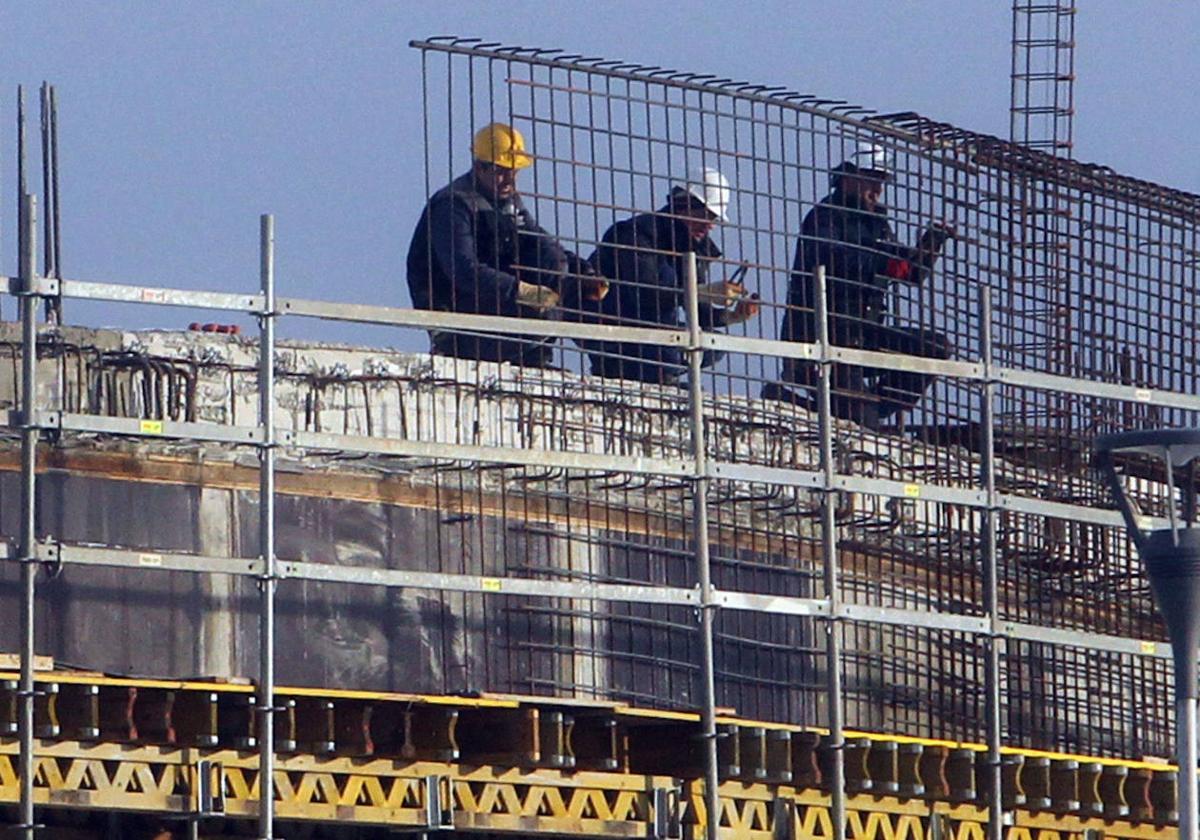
x,y
501,145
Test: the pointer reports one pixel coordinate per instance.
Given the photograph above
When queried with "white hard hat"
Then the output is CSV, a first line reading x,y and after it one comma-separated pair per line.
x,y
868,157
711,188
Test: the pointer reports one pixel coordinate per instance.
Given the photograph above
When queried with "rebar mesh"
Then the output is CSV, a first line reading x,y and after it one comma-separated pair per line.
x,y
1088,273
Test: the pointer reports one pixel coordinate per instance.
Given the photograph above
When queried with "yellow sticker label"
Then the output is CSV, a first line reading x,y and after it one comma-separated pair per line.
x,y
489,584
151,427
149,559
1149,647
912,491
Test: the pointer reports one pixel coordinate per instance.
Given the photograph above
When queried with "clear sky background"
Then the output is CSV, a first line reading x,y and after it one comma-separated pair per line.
x,y
181,122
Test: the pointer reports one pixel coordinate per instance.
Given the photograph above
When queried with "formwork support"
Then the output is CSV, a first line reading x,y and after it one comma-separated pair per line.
x,y
833,628
708,714
27,554
993,729
266,529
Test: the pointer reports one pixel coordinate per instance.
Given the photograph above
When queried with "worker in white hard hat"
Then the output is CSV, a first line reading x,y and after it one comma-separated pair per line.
x,y
849,234
643,258
477,249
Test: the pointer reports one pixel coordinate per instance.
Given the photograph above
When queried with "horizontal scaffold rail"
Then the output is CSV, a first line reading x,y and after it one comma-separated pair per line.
x,y
967,371
500,763
66,554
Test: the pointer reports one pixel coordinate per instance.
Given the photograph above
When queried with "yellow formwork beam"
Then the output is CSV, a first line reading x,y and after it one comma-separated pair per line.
x,y
163,780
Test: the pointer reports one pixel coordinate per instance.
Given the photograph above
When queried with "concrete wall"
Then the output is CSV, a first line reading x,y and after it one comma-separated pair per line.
x,y
408,514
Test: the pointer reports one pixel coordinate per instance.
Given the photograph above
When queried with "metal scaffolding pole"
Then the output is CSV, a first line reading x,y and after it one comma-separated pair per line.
x,y
991,582
28,547
266,530
833,644
708,714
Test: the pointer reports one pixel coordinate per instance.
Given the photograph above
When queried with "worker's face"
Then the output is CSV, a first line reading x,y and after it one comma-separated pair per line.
x,y
497,181
868,188
699,221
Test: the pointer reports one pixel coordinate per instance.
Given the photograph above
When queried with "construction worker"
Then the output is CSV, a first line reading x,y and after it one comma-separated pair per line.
x,y
849,234
477,249
644,258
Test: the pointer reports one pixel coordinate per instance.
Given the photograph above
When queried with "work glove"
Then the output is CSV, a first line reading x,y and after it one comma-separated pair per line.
x,y
595,288
722,293
746,308
593,284
538,298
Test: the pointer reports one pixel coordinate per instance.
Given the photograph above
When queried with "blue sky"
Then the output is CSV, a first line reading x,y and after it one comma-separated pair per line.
x,y
180,123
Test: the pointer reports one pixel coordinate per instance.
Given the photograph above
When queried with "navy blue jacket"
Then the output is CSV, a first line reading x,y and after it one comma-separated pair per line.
x,y
862,259
644,258
466,255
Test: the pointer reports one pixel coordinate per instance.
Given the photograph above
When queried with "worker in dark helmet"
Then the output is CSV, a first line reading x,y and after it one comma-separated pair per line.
x,y
477,249
848,233
644,258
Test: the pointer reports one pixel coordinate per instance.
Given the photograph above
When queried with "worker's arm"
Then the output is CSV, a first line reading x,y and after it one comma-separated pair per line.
x,y
452,240
622,260
827,242
572,276
914,265
539,250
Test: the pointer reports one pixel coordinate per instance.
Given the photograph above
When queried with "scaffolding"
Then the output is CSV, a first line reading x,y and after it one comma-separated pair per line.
x,y
952,576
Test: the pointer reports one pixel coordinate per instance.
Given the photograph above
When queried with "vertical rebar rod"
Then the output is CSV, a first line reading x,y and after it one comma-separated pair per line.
x,y
47,195
22,189
29,439
55,304
22,186
833,643
991,596
266,530
708,687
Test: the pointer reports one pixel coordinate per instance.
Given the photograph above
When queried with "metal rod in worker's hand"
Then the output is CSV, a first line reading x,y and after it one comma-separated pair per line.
x,y
708,689
27,312
266,531
833,644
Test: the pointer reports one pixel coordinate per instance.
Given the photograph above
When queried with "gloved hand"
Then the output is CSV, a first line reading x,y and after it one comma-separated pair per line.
x,y
539,298
721,293
935,237
746,308
594,284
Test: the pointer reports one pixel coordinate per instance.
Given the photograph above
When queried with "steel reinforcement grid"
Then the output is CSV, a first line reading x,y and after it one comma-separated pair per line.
x,y
954,570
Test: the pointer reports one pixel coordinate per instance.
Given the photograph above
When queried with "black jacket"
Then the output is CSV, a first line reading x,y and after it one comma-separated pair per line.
x,y
862,259
466,255
644,258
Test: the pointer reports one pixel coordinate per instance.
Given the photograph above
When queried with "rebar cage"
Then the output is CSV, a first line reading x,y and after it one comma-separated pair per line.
x,y
957,573
1087,272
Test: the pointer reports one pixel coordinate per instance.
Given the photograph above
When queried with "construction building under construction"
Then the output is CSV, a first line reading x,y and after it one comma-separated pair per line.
x,y
426,594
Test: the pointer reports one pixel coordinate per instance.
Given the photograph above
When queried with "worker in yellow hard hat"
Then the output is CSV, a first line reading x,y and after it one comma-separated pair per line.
x,y
477,249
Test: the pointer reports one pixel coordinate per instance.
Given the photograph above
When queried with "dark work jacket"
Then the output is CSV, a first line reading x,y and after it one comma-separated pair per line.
x,y
466,256
862,259
644,258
